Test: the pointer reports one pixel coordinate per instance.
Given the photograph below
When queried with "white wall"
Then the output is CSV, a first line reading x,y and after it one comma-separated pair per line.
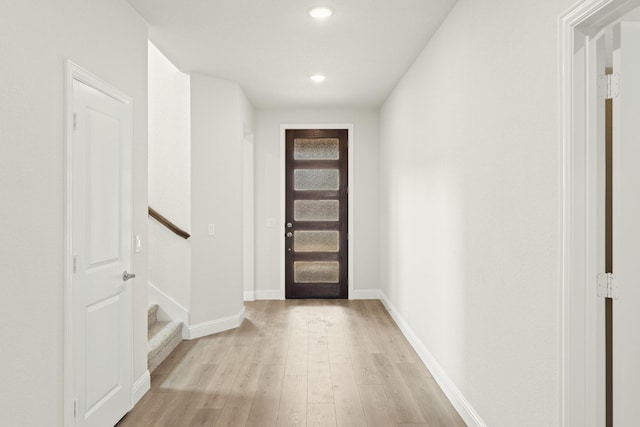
x,y
220,113
470,208
269,201
109,39
169,176
169,139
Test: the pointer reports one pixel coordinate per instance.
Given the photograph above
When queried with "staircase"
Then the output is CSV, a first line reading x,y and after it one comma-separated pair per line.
x,y
163,338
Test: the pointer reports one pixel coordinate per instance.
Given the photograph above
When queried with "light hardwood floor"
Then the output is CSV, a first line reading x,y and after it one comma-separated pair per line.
x,y
297,363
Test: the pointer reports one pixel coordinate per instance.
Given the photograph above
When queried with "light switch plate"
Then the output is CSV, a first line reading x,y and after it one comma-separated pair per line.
x,y
212,229
138,244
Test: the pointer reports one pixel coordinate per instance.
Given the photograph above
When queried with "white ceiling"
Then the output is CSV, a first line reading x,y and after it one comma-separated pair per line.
x,y
271,47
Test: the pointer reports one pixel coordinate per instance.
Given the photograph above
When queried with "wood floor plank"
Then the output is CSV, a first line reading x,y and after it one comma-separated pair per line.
x,y
168,409
266,400
237,406
147,410
321,415
320,388
297,356
401,400
436,408
297,363
180,352
215,389
184,376
390,337
375,403
274,349
366,369
202,417
346,397
318,349
293,402
338,348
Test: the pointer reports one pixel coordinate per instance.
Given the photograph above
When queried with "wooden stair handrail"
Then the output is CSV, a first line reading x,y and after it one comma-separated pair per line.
x,y
171,226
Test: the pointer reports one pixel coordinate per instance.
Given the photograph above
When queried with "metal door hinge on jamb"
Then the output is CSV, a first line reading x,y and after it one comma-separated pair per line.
x,y
607,286
608,86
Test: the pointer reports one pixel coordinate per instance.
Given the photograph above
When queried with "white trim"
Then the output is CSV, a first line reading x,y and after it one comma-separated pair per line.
x,y
366,294
68,363
73,72
578,175
249,295
168,308
275,294
283,166
140,388
215,326
248,220
455,396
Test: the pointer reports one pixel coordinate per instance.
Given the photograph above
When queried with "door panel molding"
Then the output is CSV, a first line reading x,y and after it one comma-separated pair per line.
x,y
282,213
75,73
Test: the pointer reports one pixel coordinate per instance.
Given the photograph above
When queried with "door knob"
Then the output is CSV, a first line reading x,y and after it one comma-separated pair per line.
x,y
126,276
289,225
289,234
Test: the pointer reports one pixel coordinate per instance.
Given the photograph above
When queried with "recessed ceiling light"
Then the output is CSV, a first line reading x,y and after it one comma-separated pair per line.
x,y
318,78
321,12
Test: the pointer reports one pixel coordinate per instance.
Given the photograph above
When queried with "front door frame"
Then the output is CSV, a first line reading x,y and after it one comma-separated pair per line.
x,y
580,385
74,72
282,217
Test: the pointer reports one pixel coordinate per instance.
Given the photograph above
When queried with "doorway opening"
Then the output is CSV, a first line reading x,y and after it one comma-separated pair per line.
x,y
316,213
595,230
349,181
98,352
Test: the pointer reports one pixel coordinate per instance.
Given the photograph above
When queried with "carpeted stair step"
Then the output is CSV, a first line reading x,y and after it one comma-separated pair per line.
x,y
163,337
152,315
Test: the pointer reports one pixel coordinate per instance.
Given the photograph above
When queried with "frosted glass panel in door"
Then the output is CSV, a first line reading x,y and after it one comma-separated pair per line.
x,y
316,210
316,179
316,149
316,241
316,272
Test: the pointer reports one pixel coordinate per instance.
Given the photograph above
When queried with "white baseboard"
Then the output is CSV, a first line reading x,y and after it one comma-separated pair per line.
x,y
277,294
215,326
271,294
365,294
140,388
459,402
169,309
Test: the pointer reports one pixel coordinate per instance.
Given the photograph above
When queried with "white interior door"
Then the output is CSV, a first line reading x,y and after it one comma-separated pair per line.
x,y
101,246
626,226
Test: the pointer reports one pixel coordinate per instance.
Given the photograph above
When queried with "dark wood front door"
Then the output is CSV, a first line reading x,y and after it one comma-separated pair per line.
x,y
316,214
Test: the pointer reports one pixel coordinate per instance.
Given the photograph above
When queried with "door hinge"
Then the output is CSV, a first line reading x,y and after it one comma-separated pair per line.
x,y
75,121
75,407
608,86
75,263
607,286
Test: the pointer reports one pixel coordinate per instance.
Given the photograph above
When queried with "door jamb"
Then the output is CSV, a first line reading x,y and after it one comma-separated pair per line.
x,y
579,229
75,72
283,167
